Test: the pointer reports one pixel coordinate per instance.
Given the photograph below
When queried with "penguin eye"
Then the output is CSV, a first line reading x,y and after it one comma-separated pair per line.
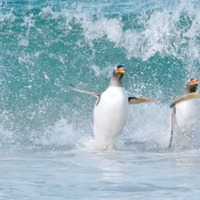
x,y
119,66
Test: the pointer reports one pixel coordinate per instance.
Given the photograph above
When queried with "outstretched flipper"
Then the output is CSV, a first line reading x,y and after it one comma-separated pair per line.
x,y
83,91
173,123
135,100
192,95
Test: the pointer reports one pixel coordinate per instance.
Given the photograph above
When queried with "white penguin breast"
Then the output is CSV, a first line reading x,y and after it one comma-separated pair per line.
x,y
188,113
110,113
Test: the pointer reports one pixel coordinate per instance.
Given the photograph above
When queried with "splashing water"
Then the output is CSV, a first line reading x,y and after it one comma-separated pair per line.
x,y
46,138
49,45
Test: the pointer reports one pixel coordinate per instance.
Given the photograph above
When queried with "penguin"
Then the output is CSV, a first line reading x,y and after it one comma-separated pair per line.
x,y
185,114
111,110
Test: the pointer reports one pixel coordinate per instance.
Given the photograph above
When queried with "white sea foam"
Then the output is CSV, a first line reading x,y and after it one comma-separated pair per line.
x,y
169,31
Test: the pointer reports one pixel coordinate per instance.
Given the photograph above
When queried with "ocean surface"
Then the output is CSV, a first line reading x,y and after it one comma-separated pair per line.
x,y
47,148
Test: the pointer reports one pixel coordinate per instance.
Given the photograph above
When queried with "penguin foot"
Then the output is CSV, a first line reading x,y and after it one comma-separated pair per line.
x,y
109,147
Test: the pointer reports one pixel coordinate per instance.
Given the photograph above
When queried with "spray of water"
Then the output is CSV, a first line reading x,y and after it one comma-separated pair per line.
x,y
47,48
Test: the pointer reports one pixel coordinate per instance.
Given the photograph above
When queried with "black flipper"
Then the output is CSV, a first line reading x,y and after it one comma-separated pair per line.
x,y
135,100
83,91
173,123
192,95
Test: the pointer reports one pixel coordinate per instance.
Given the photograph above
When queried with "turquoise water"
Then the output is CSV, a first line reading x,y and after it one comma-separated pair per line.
x,y
47,148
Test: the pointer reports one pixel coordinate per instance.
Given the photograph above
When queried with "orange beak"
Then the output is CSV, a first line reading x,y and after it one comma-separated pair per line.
x,y
120,70
195,82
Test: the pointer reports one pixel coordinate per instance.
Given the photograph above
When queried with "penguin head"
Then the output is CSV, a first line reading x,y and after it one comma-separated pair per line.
x,y
117,77
191,85
118,72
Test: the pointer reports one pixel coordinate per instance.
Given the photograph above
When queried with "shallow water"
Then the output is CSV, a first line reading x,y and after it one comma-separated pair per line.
x,y
80,174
